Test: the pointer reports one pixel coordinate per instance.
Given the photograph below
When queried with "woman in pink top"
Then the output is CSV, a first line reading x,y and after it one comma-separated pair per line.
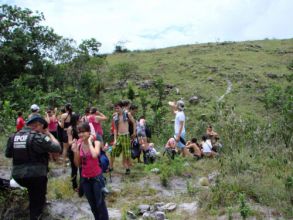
x,y
86,152
52,121
95,118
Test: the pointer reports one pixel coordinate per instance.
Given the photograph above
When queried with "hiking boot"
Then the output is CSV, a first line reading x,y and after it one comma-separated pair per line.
x,y
127,172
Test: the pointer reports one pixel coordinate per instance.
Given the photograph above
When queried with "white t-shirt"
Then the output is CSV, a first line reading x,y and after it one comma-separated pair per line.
x,y
207,147
180,116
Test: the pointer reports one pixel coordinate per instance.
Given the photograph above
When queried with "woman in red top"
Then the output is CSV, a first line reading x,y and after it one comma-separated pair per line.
x,y
86,152
19,121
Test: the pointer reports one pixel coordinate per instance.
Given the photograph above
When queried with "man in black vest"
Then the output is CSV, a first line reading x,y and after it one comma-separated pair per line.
x,y
29,149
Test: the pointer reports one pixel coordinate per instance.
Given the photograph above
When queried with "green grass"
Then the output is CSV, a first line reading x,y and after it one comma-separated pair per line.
x,y
254,163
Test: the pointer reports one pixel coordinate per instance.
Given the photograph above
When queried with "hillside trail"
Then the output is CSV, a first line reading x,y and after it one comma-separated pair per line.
x,y
228,90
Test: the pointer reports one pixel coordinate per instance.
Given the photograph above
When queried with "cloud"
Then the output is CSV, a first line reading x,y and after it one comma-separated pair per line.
x,y
146,24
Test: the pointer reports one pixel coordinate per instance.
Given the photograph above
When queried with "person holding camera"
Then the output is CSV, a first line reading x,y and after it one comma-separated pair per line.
x,y
86,152
29,150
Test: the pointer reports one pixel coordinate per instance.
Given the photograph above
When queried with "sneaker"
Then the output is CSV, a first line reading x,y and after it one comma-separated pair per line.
x,y
127,172
105,190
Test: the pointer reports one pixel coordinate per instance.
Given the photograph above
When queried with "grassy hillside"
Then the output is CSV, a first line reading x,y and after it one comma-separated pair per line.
x,y
203,69
253,176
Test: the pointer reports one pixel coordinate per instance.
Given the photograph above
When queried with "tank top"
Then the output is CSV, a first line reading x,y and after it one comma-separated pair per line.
x,y
52,126
67,124
90,166
97,125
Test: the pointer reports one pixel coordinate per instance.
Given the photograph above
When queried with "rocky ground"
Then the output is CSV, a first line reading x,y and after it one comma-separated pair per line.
x,y
153,201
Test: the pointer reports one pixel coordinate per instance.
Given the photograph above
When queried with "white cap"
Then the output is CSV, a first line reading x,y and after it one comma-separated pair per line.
x,y
180,105
35,107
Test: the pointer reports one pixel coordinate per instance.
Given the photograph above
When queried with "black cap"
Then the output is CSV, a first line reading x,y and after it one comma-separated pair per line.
x,y
37,118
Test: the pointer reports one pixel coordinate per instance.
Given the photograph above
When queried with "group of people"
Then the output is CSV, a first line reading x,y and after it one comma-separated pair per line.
x,y
80,138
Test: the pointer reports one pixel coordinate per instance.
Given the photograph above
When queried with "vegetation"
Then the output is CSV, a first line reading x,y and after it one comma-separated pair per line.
x,y
254,120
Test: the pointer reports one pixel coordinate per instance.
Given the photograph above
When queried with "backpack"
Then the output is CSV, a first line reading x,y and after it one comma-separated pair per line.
x,y
148,131
135,149
104,162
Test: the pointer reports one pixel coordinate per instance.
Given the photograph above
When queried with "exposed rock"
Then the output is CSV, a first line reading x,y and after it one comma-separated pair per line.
x,y
212,176
146,84
168,207
190,208
194,100
160,215
203,181
144,208
114,214
158,205
131,215
272,75
210,79
169,86
149,216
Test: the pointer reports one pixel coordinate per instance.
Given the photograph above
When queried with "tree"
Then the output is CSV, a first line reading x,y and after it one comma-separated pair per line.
x,y
89,47
24,42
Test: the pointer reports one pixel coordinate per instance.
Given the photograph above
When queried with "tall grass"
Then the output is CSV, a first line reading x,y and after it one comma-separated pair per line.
x,y
254,162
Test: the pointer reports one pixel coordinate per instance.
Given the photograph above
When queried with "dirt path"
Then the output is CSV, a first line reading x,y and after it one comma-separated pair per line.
x,y
228,90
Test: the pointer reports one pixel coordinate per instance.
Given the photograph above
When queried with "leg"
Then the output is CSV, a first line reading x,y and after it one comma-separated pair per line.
x,y
37,188
88,188
102,211
125,143
73,169
115,153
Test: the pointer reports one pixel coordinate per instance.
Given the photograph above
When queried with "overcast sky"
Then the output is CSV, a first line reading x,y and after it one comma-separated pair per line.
x,y
149,24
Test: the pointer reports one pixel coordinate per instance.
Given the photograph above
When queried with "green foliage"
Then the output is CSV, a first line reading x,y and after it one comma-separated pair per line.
x,y
89,47
130,92
143,101
191,190
123,70
243,207
24,42
7,115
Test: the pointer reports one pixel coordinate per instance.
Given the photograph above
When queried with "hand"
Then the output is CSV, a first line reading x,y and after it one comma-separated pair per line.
x,y
74,146
177,139
91,138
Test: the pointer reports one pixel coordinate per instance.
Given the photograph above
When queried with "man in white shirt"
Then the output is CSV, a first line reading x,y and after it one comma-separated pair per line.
x,y
179,124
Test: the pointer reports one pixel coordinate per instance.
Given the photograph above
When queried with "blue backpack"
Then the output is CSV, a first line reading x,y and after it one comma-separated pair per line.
x,y
104,162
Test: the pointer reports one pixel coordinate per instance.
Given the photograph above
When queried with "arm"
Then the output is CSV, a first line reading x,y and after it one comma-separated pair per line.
x,y
9,147
69,134
62,121
94,147
173,107
133,123
101,117
115,134
47,118
75,150
45,143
